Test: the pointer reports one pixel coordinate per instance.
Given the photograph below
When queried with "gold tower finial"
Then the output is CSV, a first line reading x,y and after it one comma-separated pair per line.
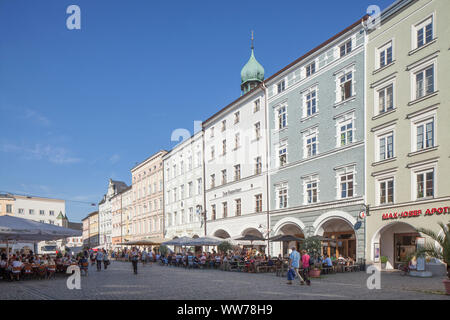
x,y
252,41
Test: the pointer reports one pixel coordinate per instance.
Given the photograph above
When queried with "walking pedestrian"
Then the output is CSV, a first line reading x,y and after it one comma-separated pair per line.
x,y
305,265
150,257
144,257
294,265
99,259
105,259
134,259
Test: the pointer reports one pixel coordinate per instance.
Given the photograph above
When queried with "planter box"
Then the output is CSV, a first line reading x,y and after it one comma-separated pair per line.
x,y
314,273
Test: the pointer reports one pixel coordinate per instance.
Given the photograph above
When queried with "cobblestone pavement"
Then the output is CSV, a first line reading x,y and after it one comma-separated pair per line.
x,y
158,282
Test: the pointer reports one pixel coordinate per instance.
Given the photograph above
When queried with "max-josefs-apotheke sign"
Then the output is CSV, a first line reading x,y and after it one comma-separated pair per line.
x,y
415,213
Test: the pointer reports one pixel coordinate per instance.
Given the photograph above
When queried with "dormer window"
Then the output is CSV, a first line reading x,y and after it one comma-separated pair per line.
x,y
311,69
281,86
345,48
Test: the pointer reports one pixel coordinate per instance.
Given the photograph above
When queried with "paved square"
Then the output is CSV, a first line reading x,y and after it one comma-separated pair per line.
x,y
166,283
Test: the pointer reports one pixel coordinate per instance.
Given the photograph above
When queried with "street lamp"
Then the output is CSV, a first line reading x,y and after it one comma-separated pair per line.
x,y
267,234
363,215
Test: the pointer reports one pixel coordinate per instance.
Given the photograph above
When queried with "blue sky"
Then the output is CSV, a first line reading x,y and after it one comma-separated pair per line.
x,y
81,106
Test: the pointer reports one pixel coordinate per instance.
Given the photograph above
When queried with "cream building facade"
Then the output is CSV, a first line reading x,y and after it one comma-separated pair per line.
x,y
407,114
147,218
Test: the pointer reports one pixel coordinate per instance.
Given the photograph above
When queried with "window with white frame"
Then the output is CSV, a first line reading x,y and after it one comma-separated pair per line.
x,y
345,48
257,105
385,98
424,134
236,117
224,176
310,69
258,203
211,132
224,125
424,184
281,86
212,153
199,186
258,165
282,117
224,209
310,143
237,172
423,131
423,33
345,130
224,147
282,155
385,143
423,82
385,55
257,130
345,86
213,212
213,180
385,191
282,195
310,190
237,141
310,102
190,163
346,182
190,188
238,207
199,159
182,192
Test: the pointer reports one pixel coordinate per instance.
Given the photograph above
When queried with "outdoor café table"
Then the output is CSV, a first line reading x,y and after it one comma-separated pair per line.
x,y
262,266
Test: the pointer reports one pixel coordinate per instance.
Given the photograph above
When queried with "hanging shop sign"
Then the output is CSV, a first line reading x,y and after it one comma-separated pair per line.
x,y
415,213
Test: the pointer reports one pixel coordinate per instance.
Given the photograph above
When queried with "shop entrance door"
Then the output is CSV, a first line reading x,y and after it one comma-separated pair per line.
x,y
404,247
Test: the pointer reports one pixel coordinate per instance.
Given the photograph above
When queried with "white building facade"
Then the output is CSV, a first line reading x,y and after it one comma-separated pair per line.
x,y
105,213
235,161
183,189
42,210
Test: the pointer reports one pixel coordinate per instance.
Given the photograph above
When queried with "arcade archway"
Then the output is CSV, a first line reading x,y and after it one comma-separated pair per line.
x,y
343,241
396,241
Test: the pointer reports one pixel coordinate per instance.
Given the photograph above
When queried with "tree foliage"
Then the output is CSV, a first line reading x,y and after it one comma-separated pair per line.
x,y
441,252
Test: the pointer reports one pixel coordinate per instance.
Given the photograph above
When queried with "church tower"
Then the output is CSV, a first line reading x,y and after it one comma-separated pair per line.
x,y
252,74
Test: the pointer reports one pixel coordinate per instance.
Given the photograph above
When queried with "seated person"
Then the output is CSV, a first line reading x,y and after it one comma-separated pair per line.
x,y
17,266
413,263
327,261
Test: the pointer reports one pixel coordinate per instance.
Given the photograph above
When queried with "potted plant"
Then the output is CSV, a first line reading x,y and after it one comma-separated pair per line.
x,y
313,246
225,247
315,271
442,252
384,261
164,250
